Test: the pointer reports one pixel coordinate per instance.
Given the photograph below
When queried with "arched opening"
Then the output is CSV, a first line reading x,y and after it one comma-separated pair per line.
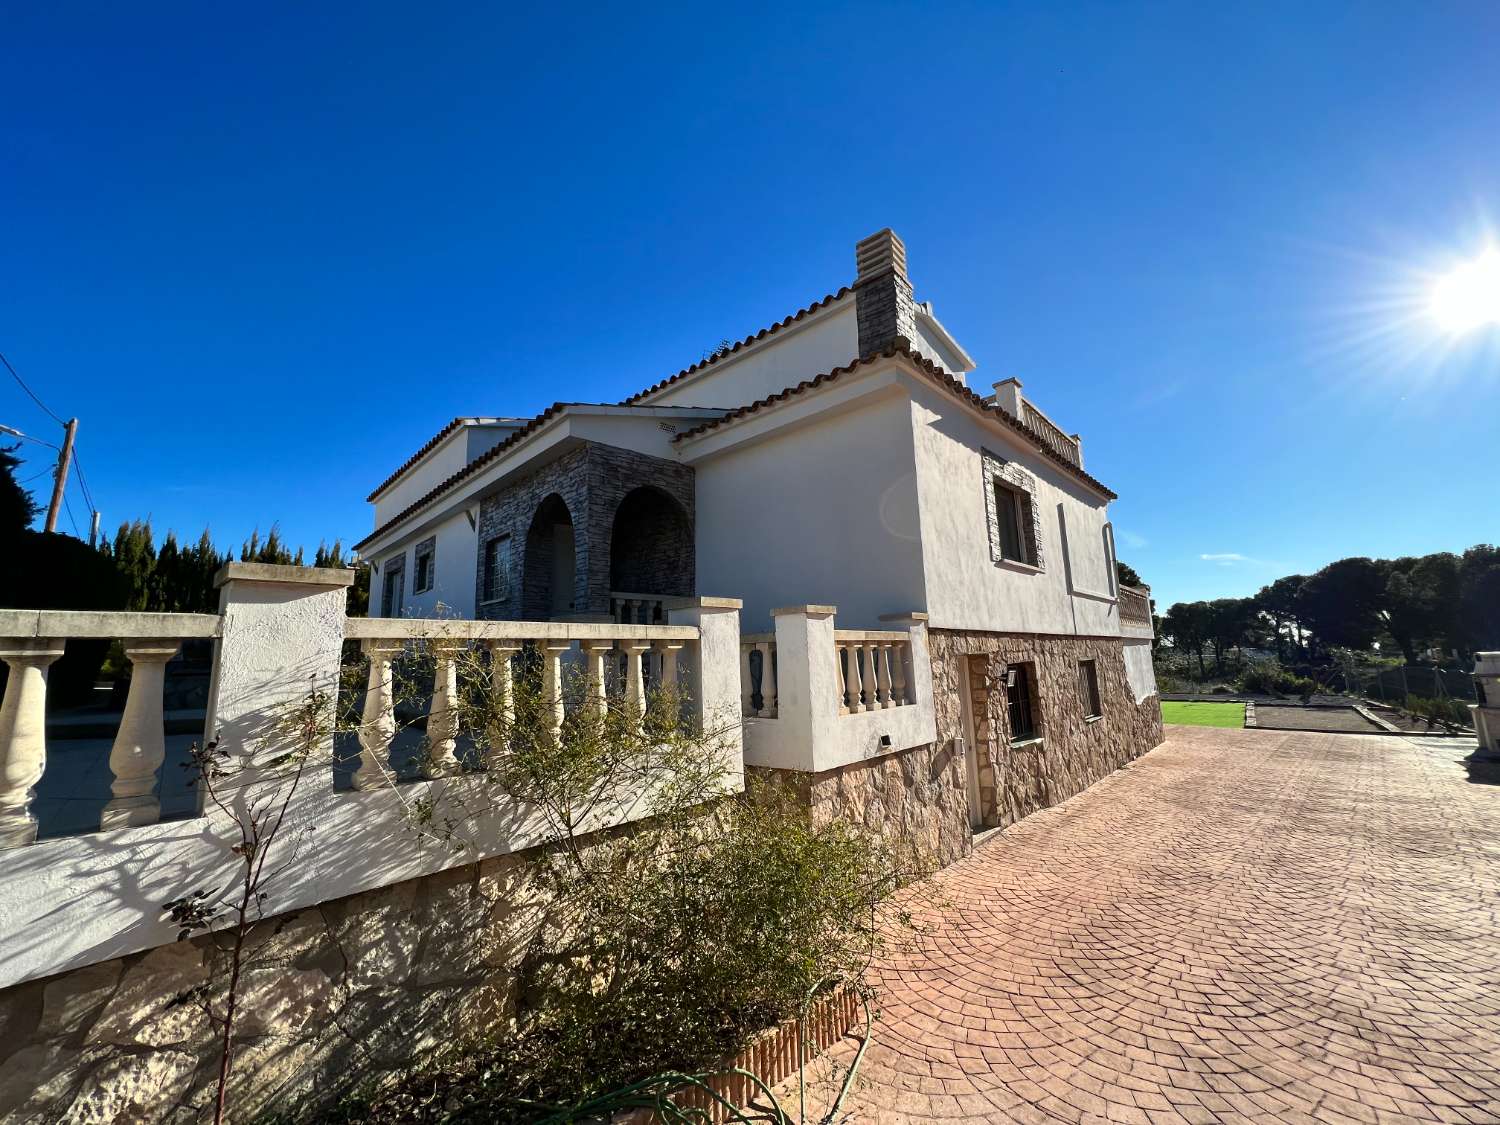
x,y
651,546
549,577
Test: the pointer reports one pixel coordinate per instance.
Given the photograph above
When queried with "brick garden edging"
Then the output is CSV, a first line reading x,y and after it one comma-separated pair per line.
x,y
772,1057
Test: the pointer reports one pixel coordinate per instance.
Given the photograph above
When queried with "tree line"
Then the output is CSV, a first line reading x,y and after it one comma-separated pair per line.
x,y
1411,604
130,572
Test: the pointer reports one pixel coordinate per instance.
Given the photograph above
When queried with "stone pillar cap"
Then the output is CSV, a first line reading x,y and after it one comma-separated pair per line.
x,y
702,603
914,615
286,575
809,610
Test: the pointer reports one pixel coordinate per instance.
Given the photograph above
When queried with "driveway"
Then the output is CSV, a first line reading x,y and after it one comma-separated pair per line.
x,y
1243,925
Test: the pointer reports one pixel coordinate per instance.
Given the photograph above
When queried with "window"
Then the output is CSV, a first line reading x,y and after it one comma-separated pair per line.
x,y
393,586
1010,506
1018,701
425,560
497,569
1088,687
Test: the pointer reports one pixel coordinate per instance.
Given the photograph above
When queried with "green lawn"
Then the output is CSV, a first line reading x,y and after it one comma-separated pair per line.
x,y
1204,714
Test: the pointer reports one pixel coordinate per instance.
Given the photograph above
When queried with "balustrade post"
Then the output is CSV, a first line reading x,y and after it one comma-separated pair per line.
x,y
596,695
442,716
914,660
552,685
747,682
854,678
667,655
140,745
767,679
635,685
377,726
898,673
883,655
23,734
712,688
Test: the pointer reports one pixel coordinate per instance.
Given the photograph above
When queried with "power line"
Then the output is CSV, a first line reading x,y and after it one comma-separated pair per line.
x,y
68,504
28,390
82,483
25,437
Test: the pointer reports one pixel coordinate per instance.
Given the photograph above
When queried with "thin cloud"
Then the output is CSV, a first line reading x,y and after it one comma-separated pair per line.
x,y
1231,558
1133,541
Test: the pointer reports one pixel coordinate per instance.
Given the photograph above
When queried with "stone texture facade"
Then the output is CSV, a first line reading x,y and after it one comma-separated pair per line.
x,y
916,796
883,302
1072,751
334,994
592,482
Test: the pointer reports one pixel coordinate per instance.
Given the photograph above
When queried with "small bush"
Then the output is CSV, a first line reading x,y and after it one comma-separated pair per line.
x,y
1271,678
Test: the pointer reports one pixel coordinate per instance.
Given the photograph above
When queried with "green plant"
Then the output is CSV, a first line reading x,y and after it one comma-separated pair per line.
x,y
1270,678
668,941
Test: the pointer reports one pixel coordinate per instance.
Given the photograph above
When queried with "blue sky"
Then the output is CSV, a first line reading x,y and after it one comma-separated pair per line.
x,y
264,253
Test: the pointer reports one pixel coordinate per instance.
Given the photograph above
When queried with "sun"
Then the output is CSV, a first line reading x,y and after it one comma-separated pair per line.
x,y
1469,296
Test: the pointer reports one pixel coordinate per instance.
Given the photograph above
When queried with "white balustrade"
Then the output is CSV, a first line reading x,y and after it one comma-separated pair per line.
x,y
637,609
141,743
872,664
30,641
648,655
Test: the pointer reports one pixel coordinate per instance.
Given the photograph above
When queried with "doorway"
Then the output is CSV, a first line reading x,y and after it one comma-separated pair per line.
x,y
971,740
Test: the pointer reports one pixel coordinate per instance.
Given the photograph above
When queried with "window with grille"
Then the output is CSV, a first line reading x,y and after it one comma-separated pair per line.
x,y
1019,702
1088,688
424,570
497,569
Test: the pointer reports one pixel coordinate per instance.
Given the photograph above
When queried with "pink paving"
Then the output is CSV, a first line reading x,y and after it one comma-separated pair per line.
x,y
1242,926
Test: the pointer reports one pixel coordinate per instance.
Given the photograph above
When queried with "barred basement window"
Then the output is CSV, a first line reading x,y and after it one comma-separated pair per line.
x,y
1088,688
497,569
425,568
1019,703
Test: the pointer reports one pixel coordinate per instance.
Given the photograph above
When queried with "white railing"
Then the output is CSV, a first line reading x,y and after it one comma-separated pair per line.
x,y
758,698
1135,611
1052,435
615,659
838,696
30,642
73,900
874,669
637,609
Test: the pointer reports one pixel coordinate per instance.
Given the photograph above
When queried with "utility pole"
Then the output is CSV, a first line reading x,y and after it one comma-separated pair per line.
x,y
94,529
64,459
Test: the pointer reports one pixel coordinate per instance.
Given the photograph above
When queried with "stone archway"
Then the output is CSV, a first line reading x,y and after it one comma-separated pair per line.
x,y
651,545
549,581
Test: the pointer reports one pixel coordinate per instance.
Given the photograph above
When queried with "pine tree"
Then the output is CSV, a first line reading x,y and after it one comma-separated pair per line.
x,y
17,508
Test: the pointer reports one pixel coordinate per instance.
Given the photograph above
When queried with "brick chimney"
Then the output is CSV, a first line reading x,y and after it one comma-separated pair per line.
x,y
882,292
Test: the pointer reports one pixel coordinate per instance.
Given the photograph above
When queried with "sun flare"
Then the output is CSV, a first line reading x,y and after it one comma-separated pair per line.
x,y
1469,297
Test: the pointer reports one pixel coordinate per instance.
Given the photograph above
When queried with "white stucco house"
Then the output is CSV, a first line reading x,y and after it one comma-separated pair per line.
x,y
838,458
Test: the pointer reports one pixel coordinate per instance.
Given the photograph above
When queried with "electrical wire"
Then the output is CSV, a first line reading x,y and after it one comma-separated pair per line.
x,y
83,483
16,375
10,432
68,504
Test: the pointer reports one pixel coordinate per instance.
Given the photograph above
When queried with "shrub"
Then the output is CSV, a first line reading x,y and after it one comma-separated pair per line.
x,y
1270,678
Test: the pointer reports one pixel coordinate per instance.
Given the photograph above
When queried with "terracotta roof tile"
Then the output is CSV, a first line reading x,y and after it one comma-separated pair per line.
x,y
745,343
468,470
936,374
432,443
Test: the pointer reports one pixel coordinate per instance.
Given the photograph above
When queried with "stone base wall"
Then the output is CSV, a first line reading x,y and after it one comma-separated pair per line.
x,y
916,796
341,992
1072,751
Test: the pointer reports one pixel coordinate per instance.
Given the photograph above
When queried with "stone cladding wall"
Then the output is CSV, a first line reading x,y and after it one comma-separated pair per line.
x,y
340,992
1072,751
591,480
915,796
